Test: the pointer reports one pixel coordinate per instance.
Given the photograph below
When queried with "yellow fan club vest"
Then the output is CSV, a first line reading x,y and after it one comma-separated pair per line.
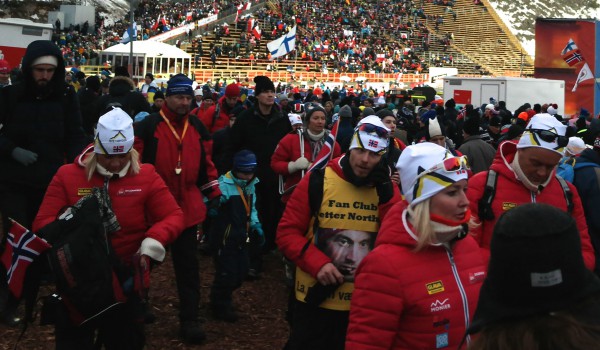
x,y
348,225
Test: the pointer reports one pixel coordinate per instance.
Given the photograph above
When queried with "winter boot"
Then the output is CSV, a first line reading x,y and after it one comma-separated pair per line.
x,y
191,332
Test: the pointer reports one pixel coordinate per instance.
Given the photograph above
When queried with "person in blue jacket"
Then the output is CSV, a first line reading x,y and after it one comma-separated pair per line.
x,y
235,230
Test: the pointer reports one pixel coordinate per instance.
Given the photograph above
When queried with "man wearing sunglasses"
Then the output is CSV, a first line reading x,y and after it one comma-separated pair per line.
x,y
352,193
524,172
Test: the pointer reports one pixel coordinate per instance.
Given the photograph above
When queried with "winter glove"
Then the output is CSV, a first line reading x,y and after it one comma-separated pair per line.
x,y
213,206
257,235
380,176
299,164
24,156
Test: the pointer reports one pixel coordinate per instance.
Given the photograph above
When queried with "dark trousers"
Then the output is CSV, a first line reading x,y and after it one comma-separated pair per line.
x,y
20,204
121,328
231,267
187,273
268,205
317,329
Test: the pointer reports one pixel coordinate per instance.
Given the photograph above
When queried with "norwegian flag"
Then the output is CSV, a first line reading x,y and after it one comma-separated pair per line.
x,y
22,247
251,24
326,152
573,58
155,25
373,143
256,31
188,16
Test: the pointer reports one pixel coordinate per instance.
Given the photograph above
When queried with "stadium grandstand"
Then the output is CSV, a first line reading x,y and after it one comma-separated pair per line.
x,y
378,40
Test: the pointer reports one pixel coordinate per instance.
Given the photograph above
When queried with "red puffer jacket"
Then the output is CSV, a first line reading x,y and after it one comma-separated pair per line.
x,y
510,192
408,300
142,204
288,150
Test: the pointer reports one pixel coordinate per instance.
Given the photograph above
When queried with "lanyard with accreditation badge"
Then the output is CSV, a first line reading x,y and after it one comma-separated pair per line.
x,y
178,138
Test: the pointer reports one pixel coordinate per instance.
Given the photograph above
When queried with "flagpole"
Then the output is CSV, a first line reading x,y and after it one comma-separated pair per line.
x,y
130,66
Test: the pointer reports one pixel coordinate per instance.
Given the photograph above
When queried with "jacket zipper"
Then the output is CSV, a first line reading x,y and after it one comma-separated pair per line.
x,y
461,289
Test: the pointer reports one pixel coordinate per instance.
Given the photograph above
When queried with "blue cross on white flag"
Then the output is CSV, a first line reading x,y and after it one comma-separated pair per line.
x,y
283,45
128,36
570,47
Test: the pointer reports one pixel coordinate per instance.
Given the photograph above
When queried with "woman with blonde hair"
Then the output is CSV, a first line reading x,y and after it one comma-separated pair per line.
x,y
418,288
141,218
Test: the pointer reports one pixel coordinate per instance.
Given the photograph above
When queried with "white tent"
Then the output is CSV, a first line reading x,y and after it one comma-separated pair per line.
x,y
154,57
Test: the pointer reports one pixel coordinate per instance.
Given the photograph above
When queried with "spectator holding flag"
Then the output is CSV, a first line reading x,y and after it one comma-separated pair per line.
x,y
297,151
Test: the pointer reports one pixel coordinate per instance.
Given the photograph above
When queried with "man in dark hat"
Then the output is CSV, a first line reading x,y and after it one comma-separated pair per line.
x,y
260,129
190,175
480,153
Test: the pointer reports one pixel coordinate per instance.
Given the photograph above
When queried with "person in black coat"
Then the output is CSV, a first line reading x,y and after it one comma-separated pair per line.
x,y
121,90
88,99
41,130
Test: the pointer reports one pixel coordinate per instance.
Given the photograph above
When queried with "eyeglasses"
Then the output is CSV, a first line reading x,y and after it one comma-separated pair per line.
x,y
550,137
370,128
449,165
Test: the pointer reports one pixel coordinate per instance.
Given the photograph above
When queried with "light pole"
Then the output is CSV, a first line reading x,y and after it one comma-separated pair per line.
x,y
132,5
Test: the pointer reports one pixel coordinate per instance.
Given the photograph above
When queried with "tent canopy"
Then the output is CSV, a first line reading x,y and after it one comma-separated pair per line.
x,y
149,49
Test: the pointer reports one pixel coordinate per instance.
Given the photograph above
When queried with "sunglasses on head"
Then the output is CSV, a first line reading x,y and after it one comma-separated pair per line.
x,y
370,128
449,165
550,137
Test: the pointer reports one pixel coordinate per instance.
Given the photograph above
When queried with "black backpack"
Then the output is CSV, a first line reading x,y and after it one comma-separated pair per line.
x,y
83,262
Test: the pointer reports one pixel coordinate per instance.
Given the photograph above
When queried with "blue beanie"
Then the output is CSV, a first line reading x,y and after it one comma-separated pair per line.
x,y
180,84
244,161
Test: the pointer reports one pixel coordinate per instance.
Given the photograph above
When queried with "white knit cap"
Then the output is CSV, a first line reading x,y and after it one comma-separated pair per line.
x,y
295,118
552,110
490,106
198,92
48,59
434,128
575,146
543,121
114,133
370,140
419,158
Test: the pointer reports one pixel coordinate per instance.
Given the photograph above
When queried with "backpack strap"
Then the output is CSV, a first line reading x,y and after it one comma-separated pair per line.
x,y
485,203
567,193
315,197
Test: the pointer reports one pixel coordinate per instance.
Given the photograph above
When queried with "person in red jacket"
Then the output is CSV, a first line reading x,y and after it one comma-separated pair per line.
x,y
297,151
207,101
146,211
526,174
418,288
217,116
180,148
323,230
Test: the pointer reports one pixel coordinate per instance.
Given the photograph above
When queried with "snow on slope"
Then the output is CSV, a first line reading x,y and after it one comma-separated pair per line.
x,y
519,15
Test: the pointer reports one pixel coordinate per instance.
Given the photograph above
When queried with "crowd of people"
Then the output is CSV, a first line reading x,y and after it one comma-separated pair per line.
x,y
400,224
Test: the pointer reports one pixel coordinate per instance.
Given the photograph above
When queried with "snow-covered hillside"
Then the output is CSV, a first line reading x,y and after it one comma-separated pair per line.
x,y
520,15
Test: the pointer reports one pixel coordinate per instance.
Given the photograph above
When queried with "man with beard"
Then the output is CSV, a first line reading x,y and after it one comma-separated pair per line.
x,y
179,146
40,128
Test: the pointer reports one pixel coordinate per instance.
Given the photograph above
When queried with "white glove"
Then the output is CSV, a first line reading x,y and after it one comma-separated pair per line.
x,y
299,164
152,248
